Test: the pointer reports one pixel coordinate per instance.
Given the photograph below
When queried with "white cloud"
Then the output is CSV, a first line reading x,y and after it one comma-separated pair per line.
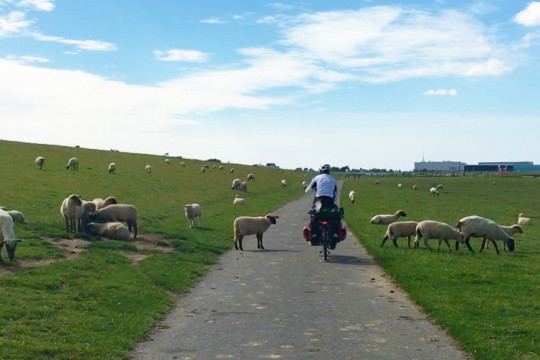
x,y
91,45
212,21
181,55
530,16
40,5
488,68
13,23
26,59
441,92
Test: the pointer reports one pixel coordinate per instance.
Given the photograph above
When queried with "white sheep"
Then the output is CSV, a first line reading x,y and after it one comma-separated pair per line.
x,y
167,161
385,219
477,226
231,170
40,160
239,200
83,211
236,184
203,169
112,168
429,229
193,211
400,185
117,212
377,182
221,167
112,230
433,191
283,182
100,203
183,164
243,186
510,230
69,210
247,225
399,229
73,164
304,184
415,187
148,169
250,177
7,235
352,196
522,220
17,216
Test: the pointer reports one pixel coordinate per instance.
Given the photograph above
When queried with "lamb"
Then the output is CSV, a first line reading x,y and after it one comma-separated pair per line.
x,y
193,211
433,191
477,226
69,210
510,230
112,230
246,225
429,229
250,177
83,212
100,203
400,229
243,186
148,169
236,184
40,160
17,216
7,235
385,219
522,220
73,164
112,168
117,212
352,196
283,182
239,200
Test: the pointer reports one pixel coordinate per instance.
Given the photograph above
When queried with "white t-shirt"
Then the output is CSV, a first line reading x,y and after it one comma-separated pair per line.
x,y
325,185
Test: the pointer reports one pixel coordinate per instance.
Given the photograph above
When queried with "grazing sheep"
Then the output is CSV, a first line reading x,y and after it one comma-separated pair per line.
x,y
40,160
69,210
111,230
193,211
117,212
203,169
167,161
283,182
214,167
100,203
247,225
377,182
250,177
239,200
236,184
522,220
183,164
232,170
439,187
352,196
400,229
112,168
221,167
415,187
73,164
433,191
510,230
400,185
243,186
148,169
17,216
385,219
7,235
429,229
477,226
304,183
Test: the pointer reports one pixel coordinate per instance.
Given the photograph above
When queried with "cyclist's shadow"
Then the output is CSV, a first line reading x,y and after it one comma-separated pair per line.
x,y
349,260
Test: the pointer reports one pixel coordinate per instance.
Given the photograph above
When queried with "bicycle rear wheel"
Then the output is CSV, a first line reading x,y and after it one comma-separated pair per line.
x,y
325,242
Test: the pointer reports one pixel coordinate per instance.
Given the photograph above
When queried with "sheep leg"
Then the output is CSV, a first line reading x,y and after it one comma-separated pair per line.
x,y
384,240
394,240
135,229
240,242
408,241
259,241
447,244
235,241
426,243
67,225
416,242
468,244
495,245
484,243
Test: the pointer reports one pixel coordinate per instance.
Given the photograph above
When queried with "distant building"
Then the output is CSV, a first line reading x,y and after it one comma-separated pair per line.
x,y
515,165
439,166
494,167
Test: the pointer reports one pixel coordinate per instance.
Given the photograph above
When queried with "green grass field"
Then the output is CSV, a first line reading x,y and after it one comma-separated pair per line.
x,y
100,305
490,303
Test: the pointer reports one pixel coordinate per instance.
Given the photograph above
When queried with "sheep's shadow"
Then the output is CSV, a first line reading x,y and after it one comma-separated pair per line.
x,y
349,260
269,250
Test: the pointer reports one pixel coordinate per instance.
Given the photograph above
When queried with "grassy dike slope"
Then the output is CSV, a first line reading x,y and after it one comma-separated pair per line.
x,y
490,303
99,305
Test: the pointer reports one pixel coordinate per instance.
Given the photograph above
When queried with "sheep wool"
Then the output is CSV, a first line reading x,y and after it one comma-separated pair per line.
x,y
400,229
477,226
111,230
193,211
117,212
429,229
40,160
247,225
70,210
7,235
73,164
17,216
385,219
112,168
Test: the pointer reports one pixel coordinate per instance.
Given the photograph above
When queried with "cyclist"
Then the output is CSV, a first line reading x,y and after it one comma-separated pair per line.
x,y
325,186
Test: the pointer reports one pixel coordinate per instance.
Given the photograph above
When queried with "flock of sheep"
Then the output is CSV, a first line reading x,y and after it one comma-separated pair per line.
x,y
467,227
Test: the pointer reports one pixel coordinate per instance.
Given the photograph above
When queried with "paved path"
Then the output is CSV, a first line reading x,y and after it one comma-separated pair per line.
x,y
285,303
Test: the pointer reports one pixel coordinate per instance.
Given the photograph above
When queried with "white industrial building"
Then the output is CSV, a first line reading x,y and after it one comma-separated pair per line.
x,y
439,166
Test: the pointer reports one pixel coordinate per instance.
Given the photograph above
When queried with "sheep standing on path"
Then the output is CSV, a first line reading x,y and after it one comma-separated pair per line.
x,y
40,160
73,164
385,219
7,235
477,226
400,229
429,229
70,210
247,225
193,211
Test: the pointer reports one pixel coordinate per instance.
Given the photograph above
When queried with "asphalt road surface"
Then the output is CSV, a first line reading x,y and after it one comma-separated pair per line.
x,y
284,302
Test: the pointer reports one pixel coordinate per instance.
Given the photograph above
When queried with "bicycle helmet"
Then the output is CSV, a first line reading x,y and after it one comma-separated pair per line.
x,y
324,168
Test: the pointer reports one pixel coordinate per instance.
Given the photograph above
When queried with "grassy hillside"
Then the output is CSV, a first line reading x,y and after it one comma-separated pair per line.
x,y
101,304
488,302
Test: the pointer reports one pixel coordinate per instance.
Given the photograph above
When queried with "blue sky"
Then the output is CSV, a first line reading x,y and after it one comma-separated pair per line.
x,y
368,84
